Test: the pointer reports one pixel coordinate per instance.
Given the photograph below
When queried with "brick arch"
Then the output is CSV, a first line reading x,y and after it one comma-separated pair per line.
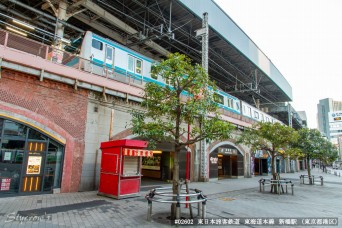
x,y
71,175
230,142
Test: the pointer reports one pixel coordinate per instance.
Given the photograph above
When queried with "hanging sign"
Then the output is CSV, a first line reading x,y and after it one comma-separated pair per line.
x,y
228,151
136,152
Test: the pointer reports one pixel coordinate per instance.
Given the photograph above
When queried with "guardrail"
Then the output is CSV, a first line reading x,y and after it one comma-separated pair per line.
x,y
311,179
276,183
67,59
165,195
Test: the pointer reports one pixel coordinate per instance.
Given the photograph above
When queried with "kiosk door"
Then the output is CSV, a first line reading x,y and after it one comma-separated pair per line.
x,y
33,170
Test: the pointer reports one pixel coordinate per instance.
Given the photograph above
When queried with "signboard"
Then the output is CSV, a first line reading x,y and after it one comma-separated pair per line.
x,y
335,116
213,160
228,151
34,164
136,152
260,154
8,156
5,184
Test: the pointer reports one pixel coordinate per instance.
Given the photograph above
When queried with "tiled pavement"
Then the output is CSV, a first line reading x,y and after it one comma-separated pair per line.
x,y
226,198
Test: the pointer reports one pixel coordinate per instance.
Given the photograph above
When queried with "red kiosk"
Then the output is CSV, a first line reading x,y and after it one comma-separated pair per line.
x,y
121,167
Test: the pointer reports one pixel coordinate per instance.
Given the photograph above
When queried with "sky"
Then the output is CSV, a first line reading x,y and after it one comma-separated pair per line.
x,y
303,39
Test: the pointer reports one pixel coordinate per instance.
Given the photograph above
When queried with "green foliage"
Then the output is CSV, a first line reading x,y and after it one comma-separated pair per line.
x,y
308,143
327,153
186,100
271,137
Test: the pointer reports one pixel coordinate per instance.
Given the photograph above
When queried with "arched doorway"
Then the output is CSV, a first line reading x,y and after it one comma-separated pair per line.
x,y
226,161
30,161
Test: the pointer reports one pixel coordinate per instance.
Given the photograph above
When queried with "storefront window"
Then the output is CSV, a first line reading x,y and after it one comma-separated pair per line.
x,y
14,129
15,154
53,168
33,134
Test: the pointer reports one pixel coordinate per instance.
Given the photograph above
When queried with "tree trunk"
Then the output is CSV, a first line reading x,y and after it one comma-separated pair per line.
x,y
274,188
175,182
309,169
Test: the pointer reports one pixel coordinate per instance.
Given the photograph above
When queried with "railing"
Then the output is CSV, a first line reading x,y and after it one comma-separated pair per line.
x,y
311,179
165,195
276,184
67,59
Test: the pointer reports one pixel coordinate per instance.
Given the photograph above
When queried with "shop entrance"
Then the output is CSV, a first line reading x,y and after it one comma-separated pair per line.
x,y
30,162
260,166
226,162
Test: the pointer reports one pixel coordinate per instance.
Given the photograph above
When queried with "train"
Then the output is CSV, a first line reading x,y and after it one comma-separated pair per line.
x,y
113,60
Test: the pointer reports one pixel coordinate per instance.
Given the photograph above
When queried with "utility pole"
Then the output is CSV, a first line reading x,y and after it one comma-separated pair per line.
x,y
204,33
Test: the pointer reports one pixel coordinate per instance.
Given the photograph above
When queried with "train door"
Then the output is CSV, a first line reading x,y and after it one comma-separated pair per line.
x,y
109,61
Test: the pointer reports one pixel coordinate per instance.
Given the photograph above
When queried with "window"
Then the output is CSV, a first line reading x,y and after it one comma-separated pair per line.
x,y
250,111
135,65
14,129
130,63
97,44
218,98
230,103
138,66
256,115
109,53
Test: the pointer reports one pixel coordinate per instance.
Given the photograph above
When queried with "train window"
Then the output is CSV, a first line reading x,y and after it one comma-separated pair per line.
x,y
261,117
109,53
249,111
97,44
237,106
138,66
230,103
218,98
135,65
256,115
130,63
267,119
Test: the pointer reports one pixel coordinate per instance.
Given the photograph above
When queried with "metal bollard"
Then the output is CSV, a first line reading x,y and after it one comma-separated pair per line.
x,y
286,187
292,188
178,210
204,203
321,181
260,185
149,210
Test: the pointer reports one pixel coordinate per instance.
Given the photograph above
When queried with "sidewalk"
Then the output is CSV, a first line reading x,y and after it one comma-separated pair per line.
x,y
227,198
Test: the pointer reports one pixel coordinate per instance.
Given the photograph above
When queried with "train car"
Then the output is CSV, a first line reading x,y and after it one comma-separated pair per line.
x,y
251,112
227,101
110,59
113,60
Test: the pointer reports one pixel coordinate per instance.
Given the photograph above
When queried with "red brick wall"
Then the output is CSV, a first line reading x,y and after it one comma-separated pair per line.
x,y
55,105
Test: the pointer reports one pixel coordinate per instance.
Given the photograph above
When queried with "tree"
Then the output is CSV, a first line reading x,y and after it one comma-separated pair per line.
x,y
327,153
186,99
308,145
271,137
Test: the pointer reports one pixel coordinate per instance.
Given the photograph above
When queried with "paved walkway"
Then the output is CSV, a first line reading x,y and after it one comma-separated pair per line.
x,y
227,199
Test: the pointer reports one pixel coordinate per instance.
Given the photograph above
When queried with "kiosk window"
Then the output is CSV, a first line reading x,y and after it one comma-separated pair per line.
x,y
130,166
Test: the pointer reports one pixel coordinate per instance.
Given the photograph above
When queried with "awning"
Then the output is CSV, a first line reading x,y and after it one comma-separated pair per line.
x,y
137,152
